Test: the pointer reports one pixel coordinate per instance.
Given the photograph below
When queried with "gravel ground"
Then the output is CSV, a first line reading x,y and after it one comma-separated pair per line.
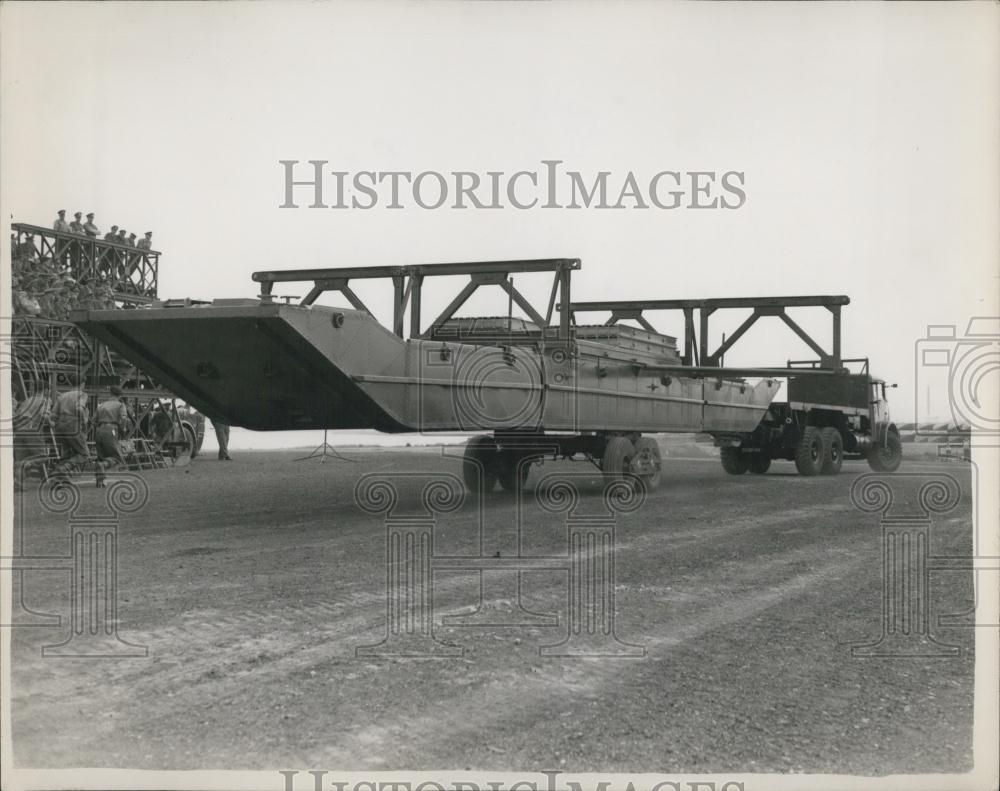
x,y
253,582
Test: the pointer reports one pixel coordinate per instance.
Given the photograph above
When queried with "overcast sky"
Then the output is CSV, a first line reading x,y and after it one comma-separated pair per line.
x,y
867,134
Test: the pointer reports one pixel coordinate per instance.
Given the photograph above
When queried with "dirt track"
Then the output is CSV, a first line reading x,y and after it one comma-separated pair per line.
x,y
253,582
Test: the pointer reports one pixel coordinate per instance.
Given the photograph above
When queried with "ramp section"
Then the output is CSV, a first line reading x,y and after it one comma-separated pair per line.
x,y
247,366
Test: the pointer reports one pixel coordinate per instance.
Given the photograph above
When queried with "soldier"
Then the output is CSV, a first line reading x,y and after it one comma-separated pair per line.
x,y
131,240
147,243
26,249
32,419
222,437
76,226
121,237
60,224
69,421
112,235
112,423
89,228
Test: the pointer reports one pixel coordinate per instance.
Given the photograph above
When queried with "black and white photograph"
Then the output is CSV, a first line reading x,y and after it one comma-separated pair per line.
x,y
500,396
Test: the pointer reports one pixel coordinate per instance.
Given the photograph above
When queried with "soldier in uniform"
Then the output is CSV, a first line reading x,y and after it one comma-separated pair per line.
x,y
32,418
26,249
76,226
222,437
112,423
147,243
61,226
112,259
89,228
69,421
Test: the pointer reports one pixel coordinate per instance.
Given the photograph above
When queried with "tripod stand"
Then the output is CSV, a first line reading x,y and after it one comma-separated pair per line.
x,y
323,452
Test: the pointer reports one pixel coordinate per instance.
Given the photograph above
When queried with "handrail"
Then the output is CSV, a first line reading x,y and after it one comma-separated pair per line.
x,y
76,237
131,272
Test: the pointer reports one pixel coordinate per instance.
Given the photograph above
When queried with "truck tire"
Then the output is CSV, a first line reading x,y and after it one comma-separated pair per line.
x,y
733,461
811,452
833,446
616,461
191,436
512,472
647,451
758,463
886,457
187,452
479,466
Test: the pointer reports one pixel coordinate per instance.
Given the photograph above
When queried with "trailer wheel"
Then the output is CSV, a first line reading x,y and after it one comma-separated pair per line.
x,y
733,461
616,462
758,463
184,453
810,453
649,462
512,472
886,457
833,444
479,466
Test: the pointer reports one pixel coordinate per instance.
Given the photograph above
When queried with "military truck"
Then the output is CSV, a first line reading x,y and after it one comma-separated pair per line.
x,y
824,421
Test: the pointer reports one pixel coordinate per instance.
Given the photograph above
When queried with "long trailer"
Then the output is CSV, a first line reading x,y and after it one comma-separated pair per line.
x,y
539,385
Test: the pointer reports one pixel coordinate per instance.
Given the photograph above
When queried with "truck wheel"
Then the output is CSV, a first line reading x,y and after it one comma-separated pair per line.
x,y
513,472
188,450
648,462
191,437
733,461
759,463
886,458
810,453
616,462
479,470
834,456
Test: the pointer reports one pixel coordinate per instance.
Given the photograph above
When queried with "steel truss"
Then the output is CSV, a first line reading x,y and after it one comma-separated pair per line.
x,y
45,352
697,354
130,272
408,284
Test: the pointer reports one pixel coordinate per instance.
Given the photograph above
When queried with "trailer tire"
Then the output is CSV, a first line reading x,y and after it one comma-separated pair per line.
x,y
886,457
833,447
647,451
758,464
811,452
733,461
616,461
512,472
479,465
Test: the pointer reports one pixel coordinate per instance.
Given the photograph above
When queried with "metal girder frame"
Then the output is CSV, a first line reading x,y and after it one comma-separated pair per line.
x,y
408,287
696,349
131,272
44,346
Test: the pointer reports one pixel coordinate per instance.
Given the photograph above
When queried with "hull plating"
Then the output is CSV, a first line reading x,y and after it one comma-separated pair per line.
x,y
280,367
